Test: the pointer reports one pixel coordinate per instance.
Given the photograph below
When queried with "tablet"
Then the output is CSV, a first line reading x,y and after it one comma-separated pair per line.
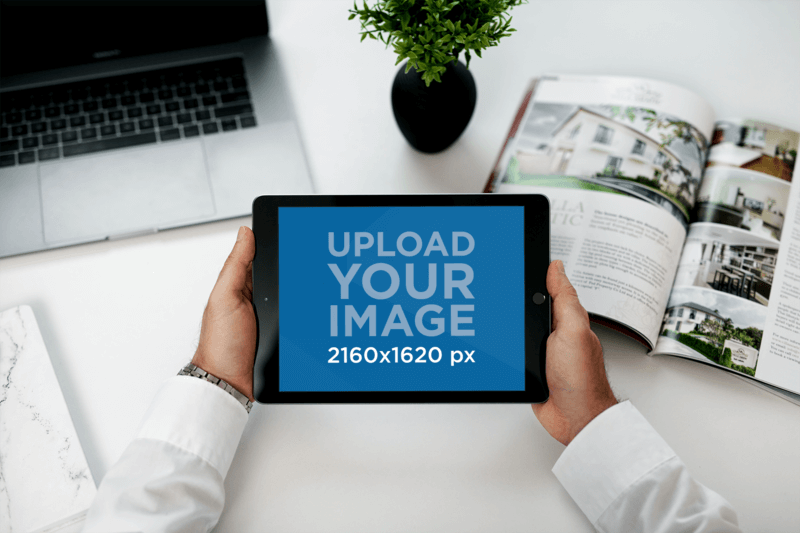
x,y
401,299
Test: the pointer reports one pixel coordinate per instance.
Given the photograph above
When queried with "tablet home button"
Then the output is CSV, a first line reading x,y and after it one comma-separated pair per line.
x,y
538,298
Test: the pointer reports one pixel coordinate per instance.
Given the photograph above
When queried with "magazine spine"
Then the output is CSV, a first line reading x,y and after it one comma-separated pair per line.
x,y
491,184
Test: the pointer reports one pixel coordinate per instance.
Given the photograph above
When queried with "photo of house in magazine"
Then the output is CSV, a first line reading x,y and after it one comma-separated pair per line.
x,y
716,326
638,151
690,245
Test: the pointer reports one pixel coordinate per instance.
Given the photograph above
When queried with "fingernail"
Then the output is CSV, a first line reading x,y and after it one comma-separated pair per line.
x,y
240,235
561,266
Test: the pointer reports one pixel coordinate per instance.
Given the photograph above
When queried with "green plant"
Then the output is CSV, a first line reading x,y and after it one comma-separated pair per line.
x,y
432,33
725,360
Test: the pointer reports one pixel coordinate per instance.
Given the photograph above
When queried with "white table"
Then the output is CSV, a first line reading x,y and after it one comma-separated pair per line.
x,y
119,317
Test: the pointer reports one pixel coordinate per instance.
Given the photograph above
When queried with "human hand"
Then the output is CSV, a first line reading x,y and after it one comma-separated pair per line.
x,y
576,375
227,345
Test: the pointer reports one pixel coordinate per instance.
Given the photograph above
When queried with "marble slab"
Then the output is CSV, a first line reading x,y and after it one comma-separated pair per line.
x,y
44,477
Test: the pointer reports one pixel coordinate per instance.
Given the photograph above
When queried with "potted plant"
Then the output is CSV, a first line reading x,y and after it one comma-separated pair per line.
x,y
433,96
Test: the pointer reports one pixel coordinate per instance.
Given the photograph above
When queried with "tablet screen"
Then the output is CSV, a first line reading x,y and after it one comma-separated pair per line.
x,y
423,298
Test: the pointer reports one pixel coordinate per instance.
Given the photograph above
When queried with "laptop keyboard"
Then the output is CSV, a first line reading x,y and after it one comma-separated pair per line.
x,y
162,105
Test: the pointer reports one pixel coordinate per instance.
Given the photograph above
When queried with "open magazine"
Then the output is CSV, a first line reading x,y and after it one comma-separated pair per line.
x,y
675,227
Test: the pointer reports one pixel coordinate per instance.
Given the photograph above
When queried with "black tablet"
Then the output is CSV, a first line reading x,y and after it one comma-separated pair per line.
x,y
401,299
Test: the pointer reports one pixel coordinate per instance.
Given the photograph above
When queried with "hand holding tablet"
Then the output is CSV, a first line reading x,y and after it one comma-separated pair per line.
x,y
387,299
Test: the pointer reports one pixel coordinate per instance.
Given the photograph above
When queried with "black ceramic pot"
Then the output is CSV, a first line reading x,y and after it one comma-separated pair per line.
x,y
432,118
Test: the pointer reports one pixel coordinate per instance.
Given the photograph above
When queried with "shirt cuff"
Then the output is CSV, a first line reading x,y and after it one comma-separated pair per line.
x,y
611,453
198,417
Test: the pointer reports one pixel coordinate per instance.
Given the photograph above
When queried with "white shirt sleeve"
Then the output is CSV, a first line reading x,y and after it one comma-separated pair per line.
x,y
170,478
625,477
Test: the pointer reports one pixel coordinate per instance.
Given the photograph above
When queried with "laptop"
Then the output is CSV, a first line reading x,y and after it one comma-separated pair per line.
x,y
122,118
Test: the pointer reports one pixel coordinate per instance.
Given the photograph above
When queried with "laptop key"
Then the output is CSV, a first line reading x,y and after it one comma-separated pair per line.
x,y
69,136
33,114
191,131
9,146
165,94
58,124
30,142
171,107
109,144
146,124
71,109
184,91
50,138
4,133
134,112
38,127
232,110
50,153
248,122
128,100
26,157
52,112
110,103
190,103
89,106
202,115
184,118
127,127
21,129
164,122
229,124
115,115
8,160
77,122
170,134
239,82
210,127
202,88
154,109
239,96
146,98
97,118
88,133
108,131
209,100
13,118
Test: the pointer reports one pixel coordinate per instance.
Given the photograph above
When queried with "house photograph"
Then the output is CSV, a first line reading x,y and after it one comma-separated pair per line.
x,y
743,199
618,149
687,316
755,146
728,260
713,327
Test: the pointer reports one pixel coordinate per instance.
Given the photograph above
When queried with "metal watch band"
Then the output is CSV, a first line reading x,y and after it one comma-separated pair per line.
x,y
195,371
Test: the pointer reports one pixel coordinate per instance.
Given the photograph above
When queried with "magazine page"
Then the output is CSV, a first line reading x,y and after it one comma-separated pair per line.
x,y
619,253
621,161
735,298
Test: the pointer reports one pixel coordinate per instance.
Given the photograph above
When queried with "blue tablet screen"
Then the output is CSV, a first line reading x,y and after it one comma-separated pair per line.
x,y
401,299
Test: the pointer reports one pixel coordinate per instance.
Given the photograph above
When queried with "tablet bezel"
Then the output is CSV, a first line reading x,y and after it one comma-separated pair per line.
x,y
266,298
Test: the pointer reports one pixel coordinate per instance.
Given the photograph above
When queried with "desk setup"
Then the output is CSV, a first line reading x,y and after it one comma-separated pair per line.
x,y
119,317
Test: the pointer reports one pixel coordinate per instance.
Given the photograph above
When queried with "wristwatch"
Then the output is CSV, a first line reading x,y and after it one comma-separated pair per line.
x,y
195,371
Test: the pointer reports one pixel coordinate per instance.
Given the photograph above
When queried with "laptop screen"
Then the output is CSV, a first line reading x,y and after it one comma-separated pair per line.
x,y
44,34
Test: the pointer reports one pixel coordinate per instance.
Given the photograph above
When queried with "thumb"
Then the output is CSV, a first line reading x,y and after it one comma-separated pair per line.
x,y
234,272
566,305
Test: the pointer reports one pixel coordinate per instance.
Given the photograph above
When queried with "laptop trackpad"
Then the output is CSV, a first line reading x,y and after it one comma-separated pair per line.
x,y
125,191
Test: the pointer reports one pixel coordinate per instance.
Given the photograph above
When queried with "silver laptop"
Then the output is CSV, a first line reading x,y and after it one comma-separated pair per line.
x,y
121,118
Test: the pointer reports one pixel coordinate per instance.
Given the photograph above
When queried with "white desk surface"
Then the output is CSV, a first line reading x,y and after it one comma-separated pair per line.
x,y
119,317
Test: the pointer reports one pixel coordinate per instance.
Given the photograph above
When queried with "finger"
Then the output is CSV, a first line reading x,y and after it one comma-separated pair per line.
x,y
234,272
566,305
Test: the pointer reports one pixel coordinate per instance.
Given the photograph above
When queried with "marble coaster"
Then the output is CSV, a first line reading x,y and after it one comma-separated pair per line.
x,y
44,478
